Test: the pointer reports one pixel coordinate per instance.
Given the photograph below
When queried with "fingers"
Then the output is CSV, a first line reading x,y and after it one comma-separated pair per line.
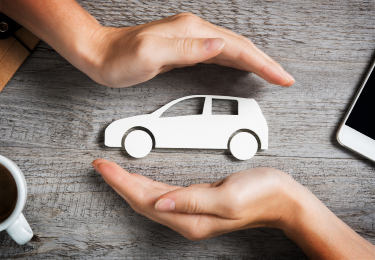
x,y
135,189
143,199
244,55
148,183
249,42
186,51
192,200
144,181
238,50
141,194
122,181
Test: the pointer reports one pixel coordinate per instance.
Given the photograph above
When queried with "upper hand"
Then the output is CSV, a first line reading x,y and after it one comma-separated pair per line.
x,y
251,198
122,57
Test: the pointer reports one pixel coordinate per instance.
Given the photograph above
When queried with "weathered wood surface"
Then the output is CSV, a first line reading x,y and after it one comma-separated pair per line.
x,y
52,119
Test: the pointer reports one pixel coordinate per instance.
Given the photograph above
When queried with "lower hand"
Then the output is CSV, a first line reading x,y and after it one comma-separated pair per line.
x,y
246,199
121,57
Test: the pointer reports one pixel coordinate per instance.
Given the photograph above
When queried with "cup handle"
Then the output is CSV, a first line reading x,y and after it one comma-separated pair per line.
x,y
20,230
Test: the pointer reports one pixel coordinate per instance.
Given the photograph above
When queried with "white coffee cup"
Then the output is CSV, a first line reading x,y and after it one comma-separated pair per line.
x,y
16,224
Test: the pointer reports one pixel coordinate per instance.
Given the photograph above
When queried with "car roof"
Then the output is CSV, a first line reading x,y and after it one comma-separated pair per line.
x,y
242,102
212,96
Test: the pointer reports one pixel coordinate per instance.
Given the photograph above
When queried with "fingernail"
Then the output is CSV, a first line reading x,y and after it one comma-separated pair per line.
x,y
165,205
289,76
95,167
213,44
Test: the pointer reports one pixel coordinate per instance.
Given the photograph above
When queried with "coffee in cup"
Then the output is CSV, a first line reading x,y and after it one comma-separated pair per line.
x,y
13,193
8,193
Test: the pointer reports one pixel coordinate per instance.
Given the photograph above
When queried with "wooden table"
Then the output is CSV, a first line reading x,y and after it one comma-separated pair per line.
x,y
52,121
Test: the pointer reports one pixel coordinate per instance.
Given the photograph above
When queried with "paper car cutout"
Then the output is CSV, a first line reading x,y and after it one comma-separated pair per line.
x,y
242,133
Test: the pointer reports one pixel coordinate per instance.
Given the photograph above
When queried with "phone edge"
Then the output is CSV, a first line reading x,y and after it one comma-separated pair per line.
x,y
350,110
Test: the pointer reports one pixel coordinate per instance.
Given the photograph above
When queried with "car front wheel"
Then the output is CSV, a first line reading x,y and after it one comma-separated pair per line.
x,y
138,143
243,146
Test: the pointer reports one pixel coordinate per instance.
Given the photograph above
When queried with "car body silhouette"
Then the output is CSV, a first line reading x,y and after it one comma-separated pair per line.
x,y
242,133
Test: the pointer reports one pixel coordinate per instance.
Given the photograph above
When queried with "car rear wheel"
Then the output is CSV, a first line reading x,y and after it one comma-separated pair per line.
x,y
138,143
243,146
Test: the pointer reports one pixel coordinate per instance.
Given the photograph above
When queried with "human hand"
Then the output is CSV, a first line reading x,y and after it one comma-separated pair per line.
x,y
122,57
259,197
246,199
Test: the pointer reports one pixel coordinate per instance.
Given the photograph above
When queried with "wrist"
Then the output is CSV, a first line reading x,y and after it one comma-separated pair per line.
x,y
88,54
302,208
64,25
298,207
95,51
317,231
288,206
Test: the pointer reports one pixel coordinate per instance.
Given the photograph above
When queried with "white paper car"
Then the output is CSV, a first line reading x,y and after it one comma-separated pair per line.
x,y
243,133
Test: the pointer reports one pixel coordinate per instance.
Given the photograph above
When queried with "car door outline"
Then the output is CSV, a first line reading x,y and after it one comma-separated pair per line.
x,y
181,131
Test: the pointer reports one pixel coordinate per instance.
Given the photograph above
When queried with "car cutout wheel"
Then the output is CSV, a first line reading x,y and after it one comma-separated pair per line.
x,y
138,143
243,146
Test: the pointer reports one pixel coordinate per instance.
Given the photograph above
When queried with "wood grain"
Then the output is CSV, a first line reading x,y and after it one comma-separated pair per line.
x,y
52,119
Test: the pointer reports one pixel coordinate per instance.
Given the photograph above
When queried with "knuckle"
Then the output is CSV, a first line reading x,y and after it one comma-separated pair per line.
x,y
200,230
186,47
269,172
235,208
137,207
274,177
141,45
142,49
187,23
237,203
195,234
193,205
186,18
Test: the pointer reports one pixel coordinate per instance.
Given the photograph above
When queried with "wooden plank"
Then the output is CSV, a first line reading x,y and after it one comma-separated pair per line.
x,y
77,214
296,29
69,110
52,120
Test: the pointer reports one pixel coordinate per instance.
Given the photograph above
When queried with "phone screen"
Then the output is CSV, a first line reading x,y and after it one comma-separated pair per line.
x,y
362,116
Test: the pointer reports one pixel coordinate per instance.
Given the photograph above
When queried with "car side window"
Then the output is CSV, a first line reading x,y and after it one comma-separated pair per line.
x,y
187,107
224,107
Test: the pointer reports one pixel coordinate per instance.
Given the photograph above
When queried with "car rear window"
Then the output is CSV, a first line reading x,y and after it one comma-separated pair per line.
x,y
224,107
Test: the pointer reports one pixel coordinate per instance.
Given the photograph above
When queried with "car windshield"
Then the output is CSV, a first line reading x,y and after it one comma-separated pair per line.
x,y
186,107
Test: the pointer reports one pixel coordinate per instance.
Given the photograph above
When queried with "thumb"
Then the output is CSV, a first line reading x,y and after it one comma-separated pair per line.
x,y
192,200
188,51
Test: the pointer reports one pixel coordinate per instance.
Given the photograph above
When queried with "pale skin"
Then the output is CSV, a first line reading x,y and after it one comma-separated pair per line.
x,y
122,57
259,197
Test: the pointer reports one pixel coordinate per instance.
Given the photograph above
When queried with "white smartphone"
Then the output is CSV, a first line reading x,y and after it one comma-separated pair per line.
x,y
357,131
